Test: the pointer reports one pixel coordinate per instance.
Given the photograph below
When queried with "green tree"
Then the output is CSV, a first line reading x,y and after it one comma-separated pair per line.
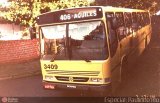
x,y
24,12
151,5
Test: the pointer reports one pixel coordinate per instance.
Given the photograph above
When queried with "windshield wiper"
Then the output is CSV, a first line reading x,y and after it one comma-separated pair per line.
x,y
77,54
70,51
82,57
53,57
87,60
59,50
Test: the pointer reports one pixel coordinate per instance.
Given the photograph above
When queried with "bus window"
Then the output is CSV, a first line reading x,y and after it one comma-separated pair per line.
x,y
128,22
140,20
146,18
53,36
113,41
121,31
134,22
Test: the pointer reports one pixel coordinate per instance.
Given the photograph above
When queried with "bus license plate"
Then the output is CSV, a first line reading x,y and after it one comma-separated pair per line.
x,y
49,86
71,86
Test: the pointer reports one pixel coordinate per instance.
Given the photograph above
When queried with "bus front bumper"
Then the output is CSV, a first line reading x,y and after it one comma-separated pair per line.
x,y
53,85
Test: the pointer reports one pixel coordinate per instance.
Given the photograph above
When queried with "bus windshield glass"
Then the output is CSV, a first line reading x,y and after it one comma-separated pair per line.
x,y
76,41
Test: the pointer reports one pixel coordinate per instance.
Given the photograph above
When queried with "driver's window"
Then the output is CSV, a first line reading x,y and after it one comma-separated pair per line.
x,y
112,33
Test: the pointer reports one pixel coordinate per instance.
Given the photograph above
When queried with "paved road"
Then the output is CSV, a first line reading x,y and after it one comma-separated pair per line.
x,y
31,87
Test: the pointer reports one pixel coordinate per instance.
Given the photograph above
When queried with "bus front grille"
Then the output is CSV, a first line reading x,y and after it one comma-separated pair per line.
x,y
80,73
61,78
80,79
72,79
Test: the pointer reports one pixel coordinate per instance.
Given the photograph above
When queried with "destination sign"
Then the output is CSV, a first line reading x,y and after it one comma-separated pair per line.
x,y
78,15
70,15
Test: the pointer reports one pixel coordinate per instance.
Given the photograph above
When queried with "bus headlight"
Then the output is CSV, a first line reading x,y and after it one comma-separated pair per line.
x,y
96,80
101,80
48,77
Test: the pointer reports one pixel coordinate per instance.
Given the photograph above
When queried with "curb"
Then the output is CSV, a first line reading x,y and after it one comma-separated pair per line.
x,y
34,73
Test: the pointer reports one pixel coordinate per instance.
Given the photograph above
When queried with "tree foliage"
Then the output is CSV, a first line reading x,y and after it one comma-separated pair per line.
x,y
24,12
151,5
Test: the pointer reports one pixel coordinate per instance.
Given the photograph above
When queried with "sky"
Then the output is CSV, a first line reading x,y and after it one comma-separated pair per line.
x,y
158,13
3,1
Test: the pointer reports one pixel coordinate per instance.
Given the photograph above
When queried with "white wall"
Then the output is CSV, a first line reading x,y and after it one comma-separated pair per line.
x,y
9,29
10,32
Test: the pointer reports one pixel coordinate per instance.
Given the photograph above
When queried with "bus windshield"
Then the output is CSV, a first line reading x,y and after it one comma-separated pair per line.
x,y
76,41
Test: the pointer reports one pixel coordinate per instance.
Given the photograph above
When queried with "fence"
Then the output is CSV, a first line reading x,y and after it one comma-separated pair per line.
x,y
16,51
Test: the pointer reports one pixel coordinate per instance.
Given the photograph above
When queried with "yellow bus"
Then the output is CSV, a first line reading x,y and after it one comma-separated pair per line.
x,y
90,48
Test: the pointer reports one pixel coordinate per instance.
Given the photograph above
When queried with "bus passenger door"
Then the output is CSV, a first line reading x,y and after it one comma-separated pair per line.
x,y
114,49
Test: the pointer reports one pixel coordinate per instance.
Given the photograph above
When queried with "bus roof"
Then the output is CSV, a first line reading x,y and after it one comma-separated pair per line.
x,y
106,8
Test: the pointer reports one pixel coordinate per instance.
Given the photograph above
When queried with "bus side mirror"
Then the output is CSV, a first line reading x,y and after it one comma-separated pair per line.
x,y
32,31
